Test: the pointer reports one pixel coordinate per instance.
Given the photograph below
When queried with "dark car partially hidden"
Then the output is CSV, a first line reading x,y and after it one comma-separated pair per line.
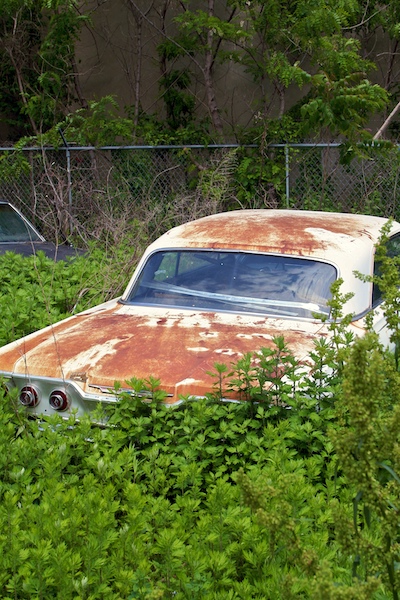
x,y
18,235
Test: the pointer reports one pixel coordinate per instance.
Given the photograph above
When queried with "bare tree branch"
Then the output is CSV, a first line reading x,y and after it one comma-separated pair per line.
x,y
380,131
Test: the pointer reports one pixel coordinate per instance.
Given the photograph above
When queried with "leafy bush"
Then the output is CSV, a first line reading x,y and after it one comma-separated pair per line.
x,y
36,292
207,499
151,508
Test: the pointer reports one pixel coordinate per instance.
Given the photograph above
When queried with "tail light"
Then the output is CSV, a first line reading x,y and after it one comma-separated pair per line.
x,y
29,396
59,400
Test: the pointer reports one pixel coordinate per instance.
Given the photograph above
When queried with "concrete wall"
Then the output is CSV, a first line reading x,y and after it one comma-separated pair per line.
x,y
109,58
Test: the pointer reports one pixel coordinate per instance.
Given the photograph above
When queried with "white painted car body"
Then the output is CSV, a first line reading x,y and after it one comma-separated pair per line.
x,y
178,315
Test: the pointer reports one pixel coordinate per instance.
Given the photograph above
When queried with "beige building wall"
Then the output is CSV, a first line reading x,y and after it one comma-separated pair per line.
x,y
118,55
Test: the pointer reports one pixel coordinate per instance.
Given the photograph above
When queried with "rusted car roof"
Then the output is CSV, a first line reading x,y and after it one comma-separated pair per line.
x,y
300,233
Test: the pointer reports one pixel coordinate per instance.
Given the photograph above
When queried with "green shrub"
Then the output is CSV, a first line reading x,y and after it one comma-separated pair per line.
x,y
151,508
209,499
36,291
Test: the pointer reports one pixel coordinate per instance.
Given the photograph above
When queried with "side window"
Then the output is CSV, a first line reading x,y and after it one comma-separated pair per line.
x,y
167,267
175,265
393,250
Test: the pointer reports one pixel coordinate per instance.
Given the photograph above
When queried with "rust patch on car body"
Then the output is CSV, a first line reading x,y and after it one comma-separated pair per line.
x,y
302,233
178,347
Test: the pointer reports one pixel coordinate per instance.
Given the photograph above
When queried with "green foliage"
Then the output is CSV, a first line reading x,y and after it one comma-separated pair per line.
x,y
260,180
13,164
97,125
25,301
36,291
201,23
175,83
215,181
343,106
285,37
387,279
320,45
367,449
149,507
179,103
37,56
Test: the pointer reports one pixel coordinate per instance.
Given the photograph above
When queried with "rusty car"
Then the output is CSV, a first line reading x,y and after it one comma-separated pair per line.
x,y
205,292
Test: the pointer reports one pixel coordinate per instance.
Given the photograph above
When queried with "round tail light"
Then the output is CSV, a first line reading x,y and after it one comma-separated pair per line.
x,y
29,396
59,400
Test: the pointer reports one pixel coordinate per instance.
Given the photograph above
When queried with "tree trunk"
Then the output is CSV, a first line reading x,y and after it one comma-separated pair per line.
x,y
208,80
138,16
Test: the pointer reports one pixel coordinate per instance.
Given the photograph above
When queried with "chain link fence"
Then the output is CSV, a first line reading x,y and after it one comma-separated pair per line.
x,y
88,193
317,179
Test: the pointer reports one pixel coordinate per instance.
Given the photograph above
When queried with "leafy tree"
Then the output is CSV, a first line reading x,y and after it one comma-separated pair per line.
x,y
315,53
282,46
308,45
37,57
210,31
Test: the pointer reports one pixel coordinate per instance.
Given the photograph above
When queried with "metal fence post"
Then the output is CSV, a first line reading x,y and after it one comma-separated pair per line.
x,y
287,173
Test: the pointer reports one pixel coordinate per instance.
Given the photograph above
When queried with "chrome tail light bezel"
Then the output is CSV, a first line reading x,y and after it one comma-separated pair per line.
x,y
59,400
29,396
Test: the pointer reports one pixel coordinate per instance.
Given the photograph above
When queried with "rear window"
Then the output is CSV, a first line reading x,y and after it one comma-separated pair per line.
x,y
235,281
